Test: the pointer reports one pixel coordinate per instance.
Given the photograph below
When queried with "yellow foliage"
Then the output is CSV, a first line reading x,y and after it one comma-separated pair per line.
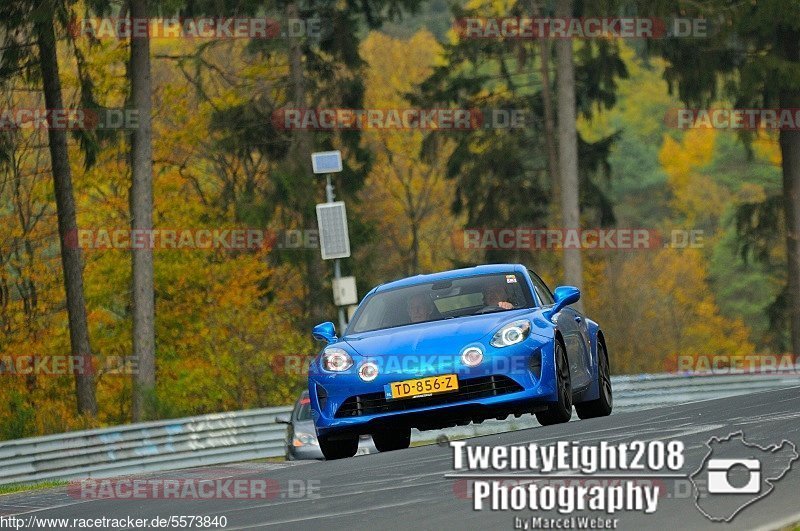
x,y
218,332
407,198
766,147
642,94
225,318
656,305
696,196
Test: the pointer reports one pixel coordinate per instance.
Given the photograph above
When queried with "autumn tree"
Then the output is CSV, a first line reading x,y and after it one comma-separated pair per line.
x,y
337,82
45,20
493,169
403,195
751,56
28,28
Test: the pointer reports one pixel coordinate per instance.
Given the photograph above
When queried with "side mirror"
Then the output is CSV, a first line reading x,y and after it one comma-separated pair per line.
x,y
564,295
283,419
325,332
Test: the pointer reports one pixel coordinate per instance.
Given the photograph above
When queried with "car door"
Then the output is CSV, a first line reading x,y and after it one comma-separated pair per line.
x,y
577,346
573,329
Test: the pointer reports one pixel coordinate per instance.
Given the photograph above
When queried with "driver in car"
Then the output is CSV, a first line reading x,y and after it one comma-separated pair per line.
x,y
495,295
420,308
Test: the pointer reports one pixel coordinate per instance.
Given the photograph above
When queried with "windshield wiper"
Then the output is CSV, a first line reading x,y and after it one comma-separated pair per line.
x,y
490,309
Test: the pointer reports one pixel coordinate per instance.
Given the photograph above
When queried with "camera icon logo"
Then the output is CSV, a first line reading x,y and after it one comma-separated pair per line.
x,y
719,471
736,473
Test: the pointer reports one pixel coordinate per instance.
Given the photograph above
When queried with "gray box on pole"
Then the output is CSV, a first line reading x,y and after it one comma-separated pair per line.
x,y
334,241
344,291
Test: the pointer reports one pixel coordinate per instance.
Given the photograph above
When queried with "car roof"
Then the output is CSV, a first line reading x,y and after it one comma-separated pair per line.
x,y
487,269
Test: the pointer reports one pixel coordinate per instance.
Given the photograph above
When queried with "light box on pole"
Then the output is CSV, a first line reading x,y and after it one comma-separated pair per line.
x,y
326,162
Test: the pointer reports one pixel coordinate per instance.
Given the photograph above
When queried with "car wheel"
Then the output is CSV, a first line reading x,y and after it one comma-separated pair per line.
x,y
338,448
390,440
602,406
561,410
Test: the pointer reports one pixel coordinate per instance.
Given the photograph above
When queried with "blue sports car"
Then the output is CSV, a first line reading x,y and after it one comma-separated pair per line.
x,y
446,349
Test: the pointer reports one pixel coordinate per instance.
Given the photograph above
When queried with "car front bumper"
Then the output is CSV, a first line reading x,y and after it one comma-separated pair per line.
x,y
507,382
305,452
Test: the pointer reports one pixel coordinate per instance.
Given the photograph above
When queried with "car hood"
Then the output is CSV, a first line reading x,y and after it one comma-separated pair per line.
x,y
437,337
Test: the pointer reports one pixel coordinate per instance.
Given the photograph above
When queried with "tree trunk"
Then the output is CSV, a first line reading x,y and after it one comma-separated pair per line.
x,y
413,260
790,154
547,103
568,150
301,152
141,204
71,256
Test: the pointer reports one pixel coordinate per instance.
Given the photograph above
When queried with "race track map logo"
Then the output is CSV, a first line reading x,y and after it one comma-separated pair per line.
x,y
736,473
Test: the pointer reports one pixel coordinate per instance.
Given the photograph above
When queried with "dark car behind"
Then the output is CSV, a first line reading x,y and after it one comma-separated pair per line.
x,y
301,440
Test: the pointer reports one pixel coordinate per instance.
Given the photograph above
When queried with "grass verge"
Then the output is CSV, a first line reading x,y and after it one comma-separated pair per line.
x,y
13,489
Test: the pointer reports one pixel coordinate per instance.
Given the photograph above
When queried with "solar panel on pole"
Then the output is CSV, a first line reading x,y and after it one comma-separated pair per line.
x,y
334,241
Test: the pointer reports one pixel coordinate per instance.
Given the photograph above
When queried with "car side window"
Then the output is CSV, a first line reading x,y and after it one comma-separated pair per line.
x,y
544,293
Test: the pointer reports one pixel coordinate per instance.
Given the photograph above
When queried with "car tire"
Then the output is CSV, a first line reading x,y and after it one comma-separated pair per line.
x,y
561,410
600,407
390,440
338,448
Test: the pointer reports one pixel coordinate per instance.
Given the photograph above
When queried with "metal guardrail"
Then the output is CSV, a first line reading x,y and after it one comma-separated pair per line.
x,y
147,447
645,391
253,434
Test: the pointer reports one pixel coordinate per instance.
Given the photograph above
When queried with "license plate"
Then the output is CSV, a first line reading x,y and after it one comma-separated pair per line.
x,y
421,387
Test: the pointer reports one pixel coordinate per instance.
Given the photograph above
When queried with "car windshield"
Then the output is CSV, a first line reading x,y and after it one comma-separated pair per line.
x,y
303,410
445,299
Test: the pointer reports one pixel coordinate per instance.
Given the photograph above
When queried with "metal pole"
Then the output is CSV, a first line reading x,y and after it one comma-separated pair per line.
x,y
337,267
329,189
337,273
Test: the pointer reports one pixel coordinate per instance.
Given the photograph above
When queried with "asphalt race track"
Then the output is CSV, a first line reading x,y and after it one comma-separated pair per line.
x,y
408,489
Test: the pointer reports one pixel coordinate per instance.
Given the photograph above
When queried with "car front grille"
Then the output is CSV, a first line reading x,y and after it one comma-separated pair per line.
x,y
483,387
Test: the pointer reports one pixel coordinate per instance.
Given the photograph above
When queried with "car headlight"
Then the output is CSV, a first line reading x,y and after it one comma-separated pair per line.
x,y
368,371
336,360
302,439
511,334
472,356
